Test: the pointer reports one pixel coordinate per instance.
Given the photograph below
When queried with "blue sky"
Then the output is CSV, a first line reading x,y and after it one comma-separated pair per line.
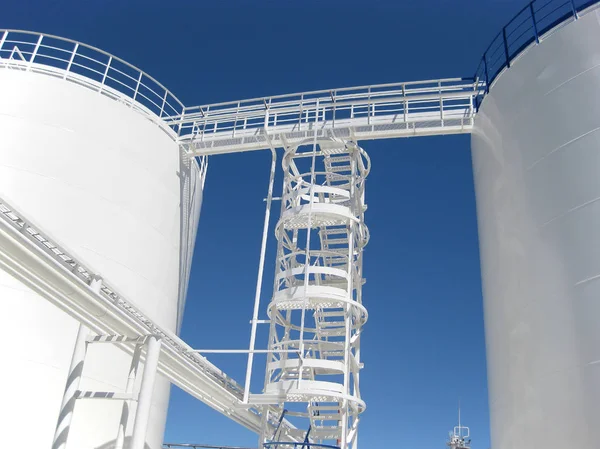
x,y
423,346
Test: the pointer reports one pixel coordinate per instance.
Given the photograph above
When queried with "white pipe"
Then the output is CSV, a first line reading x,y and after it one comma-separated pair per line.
x,y
308,232
261,266
142,413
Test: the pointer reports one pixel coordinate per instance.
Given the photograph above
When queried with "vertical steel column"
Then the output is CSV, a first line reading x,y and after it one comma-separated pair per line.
x,y
142,413
261,267
264,425
126,410
354,202
4,35
307,256
63,425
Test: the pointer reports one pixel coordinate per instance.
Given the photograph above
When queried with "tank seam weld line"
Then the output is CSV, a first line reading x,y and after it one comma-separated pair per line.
x,y
562,146
576,208
571,79
583,281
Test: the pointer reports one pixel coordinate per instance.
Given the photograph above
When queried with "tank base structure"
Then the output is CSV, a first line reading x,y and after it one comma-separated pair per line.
x,y
536,161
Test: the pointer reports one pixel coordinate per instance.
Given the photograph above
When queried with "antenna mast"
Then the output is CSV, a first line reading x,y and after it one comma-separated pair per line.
x,y
459,438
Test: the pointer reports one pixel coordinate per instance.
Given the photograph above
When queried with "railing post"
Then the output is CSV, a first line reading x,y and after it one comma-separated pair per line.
x,y
162,106
505,47
369,106
35,50
441,103
4,36
574,9
72,58
137,87
487,77
105,73
535,28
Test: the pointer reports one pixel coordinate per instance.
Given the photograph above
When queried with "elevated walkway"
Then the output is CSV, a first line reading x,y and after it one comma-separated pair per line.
x,y
383,111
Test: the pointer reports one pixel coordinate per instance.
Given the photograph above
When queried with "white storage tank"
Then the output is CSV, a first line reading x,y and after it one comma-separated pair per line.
x,y
536,158
100,173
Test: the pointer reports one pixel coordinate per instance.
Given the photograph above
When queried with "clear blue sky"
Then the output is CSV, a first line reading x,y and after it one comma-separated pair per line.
x,y
423,346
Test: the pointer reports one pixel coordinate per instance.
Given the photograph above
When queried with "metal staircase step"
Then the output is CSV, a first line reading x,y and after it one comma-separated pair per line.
x,y
338,158
339,169
334,231
332,313
342,241
331,324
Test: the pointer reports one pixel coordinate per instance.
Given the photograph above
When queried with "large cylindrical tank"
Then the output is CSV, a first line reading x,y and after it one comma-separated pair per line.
x,y
107,183
536,158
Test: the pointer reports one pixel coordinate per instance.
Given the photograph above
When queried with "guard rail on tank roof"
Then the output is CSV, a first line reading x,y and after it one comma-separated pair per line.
x,y
89,67
530,25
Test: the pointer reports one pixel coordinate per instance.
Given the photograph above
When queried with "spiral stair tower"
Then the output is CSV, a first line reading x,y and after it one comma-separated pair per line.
x,y
316,313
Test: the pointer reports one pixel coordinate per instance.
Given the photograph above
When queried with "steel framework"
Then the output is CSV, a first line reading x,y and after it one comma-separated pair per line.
x,y
32,257
381,111
316,313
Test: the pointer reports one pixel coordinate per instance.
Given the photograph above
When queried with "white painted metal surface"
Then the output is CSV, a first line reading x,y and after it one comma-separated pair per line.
x,y
88,67
381,111
102,179
536,158
316,313
41,264
58,175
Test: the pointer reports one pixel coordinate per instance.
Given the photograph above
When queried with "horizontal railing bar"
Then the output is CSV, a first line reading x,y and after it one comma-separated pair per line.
x,y
91,48
233,113
327,91
503,48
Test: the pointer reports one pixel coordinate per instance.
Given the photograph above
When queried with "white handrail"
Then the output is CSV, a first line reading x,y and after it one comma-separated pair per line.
x,y
443,106
91,67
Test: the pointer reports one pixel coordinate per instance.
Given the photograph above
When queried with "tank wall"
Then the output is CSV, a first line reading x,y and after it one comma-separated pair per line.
x,y
104,182
536,159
